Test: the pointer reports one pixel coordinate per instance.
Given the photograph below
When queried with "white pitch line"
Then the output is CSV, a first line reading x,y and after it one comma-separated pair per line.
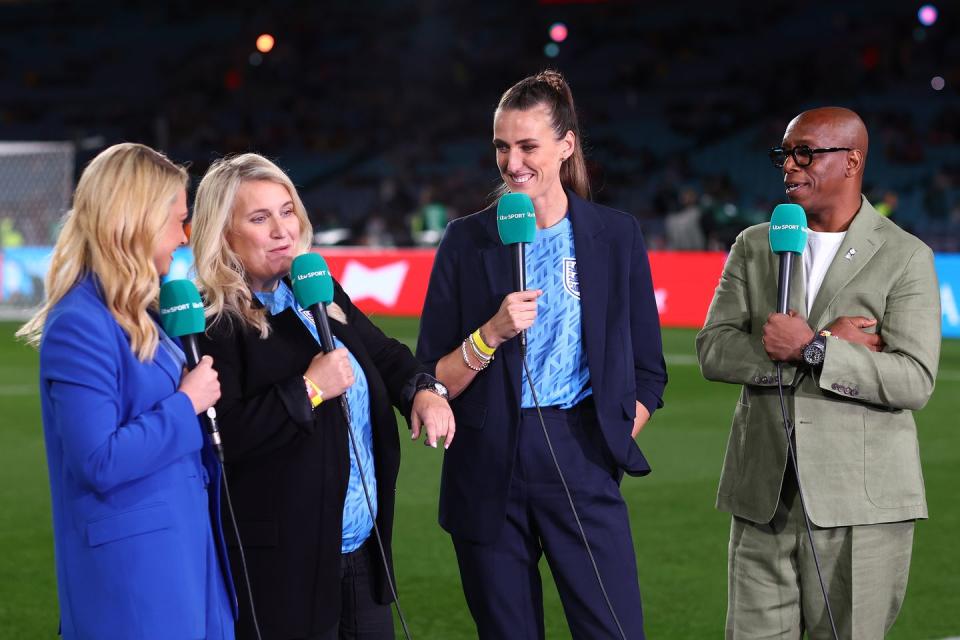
x,y
18,390
673,359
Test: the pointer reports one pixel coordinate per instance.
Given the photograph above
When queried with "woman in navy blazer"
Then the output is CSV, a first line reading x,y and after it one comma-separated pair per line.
x,y
134,486
595,357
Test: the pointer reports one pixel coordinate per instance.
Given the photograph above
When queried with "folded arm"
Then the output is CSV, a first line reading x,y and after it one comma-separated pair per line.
x,y
902,375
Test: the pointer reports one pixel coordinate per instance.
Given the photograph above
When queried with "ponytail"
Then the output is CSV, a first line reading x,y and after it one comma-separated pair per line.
x,y
548,88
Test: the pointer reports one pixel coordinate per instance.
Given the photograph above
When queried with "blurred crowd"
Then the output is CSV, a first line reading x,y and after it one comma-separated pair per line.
x,y
381,111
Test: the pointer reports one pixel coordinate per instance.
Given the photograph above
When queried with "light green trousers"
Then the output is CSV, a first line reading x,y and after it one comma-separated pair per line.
x,y
772,585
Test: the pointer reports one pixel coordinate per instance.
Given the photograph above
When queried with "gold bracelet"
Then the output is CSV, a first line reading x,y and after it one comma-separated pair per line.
x,y
477,339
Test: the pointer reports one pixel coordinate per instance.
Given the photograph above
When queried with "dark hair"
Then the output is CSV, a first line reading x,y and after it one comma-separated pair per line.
x,y
548,88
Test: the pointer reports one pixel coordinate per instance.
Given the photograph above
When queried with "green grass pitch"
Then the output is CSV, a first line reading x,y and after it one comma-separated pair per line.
x,y
680,539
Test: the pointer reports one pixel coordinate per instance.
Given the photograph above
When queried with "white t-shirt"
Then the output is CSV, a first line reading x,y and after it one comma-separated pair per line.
x,y
821,248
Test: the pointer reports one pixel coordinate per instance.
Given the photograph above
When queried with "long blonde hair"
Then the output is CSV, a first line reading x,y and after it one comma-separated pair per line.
x,y
221,275
120,206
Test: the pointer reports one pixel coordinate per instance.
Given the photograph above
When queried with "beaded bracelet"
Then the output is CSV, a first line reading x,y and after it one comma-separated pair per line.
x,y
466,360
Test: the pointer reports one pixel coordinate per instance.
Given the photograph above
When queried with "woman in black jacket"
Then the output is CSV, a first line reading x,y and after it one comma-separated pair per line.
x,y
304,521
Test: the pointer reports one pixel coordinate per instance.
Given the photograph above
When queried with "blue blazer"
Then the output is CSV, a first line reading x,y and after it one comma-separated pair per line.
x,y
136,527
621,330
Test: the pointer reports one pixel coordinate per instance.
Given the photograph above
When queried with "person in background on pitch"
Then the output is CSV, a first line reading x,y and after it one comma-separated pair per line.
x,y
860,344
596,362
139,546
315,567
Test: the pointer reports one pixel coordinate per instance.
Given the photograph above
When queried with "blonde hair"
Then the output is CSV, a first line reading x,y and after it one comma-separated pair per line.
x,y
120,207
221,275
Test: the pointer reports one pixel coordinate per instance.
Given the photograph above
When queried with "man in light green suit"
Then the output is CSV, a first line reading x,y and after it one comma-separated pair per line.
x,y
860,347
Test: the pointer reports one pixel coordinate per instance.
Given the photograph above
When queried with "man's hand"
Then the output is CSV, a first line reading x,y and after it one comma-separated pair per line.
x,y
852,329
785,335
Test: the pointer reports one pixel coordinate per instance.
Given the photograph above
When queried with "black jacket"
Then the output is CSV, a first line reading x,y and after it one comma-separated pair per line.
x,y
288,466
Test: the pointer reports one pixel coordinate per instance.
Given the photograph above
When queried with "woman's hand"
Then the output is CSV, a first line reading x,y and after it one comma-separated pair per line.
x,y
638,423
331,372
434,413
517,312
202,385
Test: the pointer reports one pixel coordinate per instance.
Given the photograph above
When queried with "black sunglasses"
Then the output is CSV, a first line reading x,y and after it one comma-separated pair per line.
x,y
802,155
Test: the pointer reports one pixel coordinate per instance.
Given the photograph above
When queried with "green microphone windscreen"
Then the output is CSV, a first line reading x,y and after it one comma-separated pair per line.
x,y
312,283
181,310
788,229
516,220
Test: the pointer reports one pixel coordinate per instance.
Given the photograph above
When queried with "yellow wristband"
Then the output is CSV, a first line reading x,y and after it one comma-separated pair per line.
x,y
480,344
313,392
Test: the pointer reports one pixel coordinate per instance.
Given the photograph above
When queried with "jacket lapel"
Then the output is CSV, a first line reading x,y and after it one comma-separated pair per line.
x,y
497,260
163,358
498,266
591,249
858,247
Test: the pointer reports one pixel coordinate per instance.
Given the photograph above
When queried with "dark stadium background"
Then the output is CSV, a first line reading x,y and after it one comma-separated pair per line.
x,y
381,112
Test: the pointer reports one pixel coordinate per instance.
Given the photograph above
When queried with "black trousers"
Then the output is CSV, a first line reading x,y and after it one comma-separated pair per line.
x,y
361,617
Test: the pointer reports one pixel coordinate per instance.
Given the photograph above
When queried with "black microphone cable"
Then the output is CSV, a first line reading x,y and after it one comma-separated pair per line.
x,y
345,408
243,557
326,345
563,481
192,350
788,428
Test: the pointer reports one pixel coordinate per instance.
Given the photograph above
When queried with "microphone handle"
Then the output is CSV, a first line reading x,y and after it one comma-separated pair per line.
x,y
320,321
191,348
783,281
519,250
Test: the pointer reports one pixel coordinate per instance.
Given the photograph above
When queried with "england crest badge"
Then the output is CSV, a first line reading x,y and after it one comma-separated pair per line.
x,y
570,281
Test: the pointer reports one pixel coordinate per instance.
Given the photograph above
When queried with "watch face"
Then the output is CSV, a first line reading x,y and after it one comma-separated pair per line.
x,y
813,353
436,388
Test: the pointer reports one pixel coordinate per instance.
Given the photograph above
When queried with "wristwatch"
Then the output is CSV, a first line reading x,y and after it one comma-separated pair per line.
x,y
429,383
815,350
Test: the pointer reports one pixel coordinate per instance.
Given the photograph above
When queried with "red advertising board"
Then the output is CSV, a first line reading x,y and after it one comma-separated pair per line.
x,y
395,282
684,282
382,281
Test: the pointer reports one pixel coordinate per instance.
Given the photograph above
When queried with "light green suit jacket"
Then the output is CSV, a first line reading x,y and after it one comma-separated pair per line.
x,y
858,457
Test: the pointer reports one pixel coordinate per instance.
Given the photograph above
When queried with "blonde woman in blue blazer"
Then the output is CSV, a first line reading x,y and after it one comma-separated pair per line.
x,y
134,486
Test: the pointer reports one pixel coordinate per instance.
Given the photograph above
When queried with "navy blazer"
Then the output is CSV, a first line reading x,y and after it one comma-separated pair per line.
x,y
472,273
129,471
